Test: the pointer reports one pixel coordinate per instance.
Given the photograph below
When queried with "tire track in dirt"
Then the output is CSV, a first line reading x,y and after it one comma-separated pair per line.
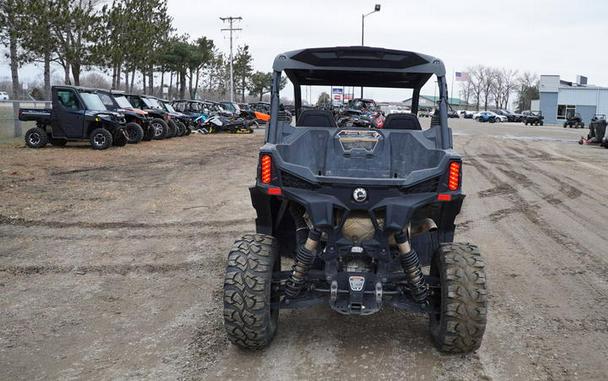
x,y
118,269
18,221
531,212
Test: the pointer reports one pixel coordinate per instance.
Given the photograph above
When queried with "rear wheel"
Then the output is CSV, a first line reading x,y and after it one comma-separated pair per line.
x,y
172,130
101,139
135,133
181,128
160,128
36,138
251,309
460,321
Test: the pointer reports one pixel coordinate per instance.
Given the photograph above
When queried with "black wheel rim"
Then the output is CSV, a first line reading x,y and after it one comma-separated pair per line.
x,y
99,139
34,138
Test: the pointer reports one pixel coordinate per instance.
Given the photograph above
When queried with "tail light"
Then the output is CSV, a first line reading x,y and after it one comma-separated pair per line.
x,y
454,176
266,166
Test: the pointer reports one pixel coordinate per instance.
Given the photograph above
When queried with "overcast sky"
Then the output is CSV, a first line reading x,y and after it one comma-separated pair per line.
x,y
542,36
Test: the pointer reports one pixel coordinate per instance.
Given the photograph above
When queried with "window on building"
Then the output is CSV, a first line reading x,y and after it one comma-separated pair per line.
x,y
565,111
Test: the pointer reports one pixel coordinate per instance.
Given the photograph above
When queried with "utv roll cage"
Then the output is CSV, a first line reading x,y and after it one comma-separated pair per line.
x,y
360,66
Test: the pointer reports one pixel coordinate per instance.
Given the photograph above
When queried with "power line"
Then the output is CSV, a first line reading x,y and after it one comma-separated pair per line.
x,y
231,29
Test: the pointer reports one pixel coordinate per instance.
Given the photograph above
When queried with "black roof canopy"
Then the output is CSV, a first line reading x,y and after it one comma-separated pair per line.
x,y
358,66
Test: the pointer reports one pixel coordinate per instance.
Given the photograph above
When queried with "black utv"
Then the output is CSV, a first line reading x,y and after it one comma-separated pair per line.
x,y
162,124
365,215
139,126
574,121
77,114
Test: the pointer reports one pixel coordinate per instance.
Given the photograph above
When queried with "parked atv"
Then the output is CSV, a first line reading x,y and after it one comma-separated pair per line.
x,y
574,121
533,118
161,120
138,123
77,114
362,212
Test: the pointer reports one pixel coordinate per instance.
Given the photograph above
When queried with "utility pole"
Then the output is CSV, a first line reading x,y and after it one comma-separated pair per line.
x,y
363,16
231,29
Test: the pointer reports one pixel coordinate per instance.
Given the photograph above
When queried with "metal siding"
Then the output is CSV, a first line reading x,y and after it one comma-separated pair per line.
x,y
548,106
586,112
580,96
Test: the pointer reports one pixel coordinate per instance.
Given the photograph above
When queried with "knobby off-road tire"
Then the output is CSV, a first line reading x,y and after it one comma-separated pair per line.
x,y
462,301
36,138
120,139
249,319
172,130
135,133
160,128
181,128
101,139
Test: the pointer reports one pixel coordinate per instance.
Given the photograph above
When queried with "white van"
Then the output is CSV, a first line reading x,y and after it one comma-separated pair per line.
x,y
3,96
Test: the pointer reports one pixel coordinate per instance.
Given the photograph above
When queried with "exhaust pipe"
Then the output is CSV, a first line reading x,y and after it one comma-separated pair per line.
x,y
423,226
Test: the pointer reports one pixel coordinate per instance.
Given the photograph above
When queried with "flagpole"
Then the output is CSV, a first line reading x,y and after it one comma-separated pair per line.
x,y
452,89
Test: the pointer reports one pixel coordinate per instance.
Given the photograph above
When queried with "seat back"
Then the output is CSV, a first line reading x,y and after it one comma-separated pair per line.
x,y
402,121
316,118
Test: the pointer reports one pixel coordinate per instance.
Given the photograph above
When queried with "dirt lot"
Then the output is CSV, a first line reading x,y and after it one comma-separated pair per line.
x,y
111,266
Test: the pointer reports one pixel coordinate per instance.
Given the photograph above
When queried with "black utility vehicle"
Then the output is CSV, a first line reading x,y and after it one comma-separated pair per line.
x,y
162,124
574,121
533,118
367,215
77,114
138,123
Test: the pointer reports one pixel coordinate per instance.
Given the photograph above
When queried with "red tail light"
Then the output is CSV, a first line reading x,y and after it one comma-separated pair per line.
x,y
266,165
454,176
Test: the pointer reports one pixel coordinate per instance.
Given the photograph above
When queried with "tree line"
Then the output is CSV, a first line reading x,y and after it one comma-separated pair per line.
x,y
132,41
490,87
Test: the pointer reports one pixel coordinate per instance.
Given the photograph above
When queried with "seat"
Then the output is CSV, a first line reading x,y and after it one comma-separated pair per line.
x,y
402,121
316,118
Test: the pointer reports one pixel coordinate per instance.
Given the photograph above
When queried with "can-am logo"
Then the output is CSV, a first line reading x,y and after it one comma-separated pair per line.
x,y
356,282
360,195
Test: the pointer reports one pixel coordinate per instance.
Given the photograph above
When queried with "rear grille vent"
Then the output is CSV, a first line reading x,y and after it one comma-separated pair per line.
x,y
289,180
426,186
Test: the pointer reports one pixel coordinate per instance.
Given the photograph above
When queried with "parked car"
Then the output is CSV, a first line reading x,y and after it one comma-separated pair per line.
x,y
486,116
77,114
3,96
453,114
533,118
510,117
465,114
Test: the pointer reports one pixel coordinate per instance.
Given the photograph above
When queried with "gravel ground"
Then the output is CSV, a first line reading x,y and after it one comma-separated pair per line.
x,y
111,266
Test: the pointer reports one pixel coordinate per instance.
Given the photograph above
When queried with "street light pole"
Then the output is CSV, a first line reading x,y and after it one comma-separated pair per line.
x,y
363,16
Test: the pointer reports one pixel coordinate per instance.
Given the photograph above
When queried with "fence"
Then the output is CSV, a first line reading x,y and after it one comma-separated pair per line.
x,y
10,125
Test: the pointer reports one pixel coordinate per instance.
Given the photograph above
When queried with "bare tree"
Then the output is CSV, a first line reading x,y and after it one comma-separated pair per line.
x,y
487,85
477,77
509,85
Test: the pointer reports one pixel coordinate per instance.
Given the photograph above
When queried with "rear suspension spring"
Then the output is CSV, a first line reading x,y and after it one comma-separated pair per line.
x,y
302,264
410,262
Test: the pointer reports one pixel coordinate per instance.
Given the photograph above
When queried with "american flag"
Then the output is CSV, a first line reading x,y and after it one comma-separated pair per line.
x,y
462,76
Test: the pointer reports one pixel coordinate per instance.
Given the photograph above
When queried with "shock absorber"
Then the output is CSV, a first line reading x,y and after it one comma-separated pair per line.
x,y
303,262
411,266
